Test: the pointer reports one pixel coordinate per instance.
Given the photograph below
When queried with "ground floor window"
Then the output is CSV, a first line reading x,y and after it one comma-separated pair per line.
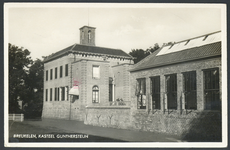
x,y
51,94
141,93
171,91
95,94
155,91
110,89
56,94
62,93
46,94
67,91
211,89
190,92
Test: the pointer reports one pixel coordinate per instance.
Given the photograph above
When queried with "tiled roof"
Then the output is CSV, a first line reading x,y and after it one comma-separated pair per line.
x,y
190,54
85,49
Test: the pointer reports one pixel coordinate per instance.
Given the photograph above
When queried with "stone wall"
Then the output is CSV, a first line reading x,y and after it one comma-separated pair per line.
x,y
56,109
116,117
177,121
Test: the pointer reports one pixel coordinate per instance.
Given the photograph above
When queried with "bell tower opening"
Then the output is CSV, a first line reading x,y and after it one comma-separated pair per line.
x,y
87,35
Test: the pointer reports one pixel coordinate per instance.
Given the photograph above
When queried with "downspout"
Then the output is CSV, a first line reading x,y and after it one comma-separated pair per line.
x,y
113,89
71,83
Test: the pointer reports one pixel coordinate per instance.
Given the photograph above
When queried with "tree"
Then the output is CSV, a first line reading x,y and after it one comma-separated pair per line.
x,y
33,98
140,54
152,49
19,62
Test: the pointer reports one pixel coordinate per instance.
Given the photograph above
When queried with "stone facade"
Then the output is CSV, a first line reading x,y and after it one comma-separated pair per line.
x,y
56,108
77,70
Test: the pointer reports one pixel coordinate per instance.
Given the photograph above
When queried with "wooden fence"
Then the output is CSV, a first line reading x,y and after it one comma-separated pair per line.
x,y
16,117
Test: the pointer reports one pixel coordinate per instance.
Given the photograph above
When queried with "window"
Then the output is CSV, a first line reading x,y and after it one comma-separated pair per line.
x,y
46,94
62,93
141,93
55,94
171,91
51,74
82,35
56,73
96,72
89,35
66,70
58,94
51,94
110,89
155,86
95,94
211,89
189,88
60,71
46,75
67,93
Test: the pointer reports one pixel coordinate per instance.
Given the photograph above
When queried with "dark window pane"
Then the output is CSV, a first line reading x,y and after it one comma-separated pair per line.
x,y
155,84
63,93
211,89
66,70
171,90
56,73
51,74
46,75
190,92
46,94
51,94
60,71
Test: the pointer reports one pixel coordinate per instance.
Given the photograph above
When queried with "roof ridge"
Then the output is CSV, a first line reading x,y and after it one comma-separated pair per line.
x,y
99,47
197,37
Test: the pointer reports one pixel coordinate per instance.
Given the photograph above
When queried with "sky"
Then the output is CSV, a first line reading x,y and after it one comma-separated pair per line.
x,y
44,29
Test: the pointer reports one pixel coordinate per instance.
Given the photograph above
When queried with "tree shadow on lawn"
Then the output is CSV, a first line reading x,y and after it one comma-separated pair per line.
x,y
18,128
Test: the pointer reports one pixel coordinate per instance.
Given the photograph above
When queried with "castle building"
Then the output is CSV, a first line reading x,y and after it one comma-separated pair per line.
x,y
176,89
84,75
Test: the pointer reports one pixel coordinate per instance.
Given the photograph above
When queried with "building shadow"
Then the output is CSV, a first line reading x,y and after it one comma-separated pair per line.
x,y
207,127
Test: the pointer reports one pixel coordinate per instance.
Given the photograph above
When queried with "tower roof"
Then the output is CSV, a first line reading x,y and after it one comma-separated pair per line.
x,y
87,27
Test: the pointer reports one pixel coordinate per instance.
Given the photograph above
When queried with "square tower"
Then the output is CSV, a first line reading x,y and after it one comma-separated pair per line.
x,y
87,35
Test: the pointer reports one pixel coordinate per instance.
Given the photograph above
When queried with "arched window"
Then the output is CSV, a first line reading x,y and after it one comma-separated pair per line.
x,y
82,35
89,35
95,94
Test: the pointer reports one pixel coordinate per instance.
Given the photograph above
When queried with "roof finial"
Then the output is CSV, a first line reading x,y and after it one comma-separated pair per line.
x,y
88,16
